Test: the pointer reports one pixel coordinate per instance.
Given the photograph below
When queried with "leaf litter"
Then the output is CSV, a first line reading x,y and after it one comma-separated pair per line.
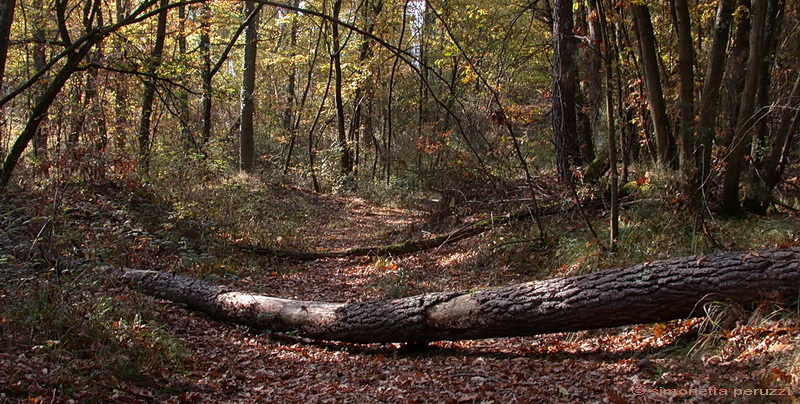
x,y
667,362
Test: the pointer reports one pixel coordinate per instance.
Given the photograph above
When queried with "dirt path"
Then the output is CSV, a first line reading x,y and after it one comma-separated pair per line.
x,y
225,363
621,366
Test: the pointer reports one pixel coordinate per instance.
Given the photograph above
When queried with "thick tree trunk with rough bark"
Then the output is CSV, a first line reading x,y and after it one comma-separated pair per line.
x,y
648,292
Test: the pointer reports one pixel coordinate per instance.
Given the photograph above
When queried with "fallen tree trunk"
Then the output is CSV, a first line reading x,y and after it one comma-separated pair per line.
x,y
645,293
405,247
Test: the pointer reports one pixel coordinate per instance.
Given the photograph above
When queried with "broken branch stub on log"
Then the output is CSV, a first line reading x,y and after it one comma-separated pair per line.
x,y
644,293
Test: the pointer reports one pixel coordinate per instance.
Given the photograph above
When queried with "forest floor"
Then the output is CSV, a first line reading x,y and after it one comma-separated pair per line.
x,y
70,332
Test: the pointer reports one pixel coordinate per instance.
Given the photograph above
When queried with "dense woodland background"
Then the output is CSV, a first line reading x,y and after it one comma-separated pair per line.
x,y
226,139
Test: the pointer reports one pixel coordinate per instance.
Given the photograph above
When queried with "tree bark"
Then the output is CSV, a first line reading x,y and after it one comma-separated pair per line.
x,y
40,149
686,101
729,196
709,102
565,118
148,97
757,193
288,118
734,80
204,46
246,137
645,293
346,153
6,18
652,79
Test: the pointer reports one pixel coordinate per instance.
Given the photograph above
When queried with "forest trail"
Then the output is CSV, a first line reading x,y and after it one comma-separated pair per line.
x,y
625,365
227,363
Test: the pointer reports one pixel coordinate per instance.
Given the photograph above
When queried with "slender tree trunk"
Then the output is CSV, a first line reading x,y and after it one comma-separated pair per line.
x,y
296,126
709,100
346,153
311,131
686,128
782,141
246,136
758,195
565,120
39,63
652,79
148,97
207,77
6,18
361,95
645,293
40,109
184,112
734,84
121,124
389,124
287,120
610,58
595,87
589,94
91,109
743,134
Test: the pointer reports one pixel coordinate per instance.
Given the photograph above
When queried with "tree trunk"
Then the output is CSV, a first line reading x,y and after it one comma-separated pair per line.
x,y
148,97
588,95
39,64
758,195
120,124
709,103
184,113
246,137
734,82
610,57
652,79
288,117
565,119
41,107
6,18
204,46
782,142
346,154
645,293
743,134
686,101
